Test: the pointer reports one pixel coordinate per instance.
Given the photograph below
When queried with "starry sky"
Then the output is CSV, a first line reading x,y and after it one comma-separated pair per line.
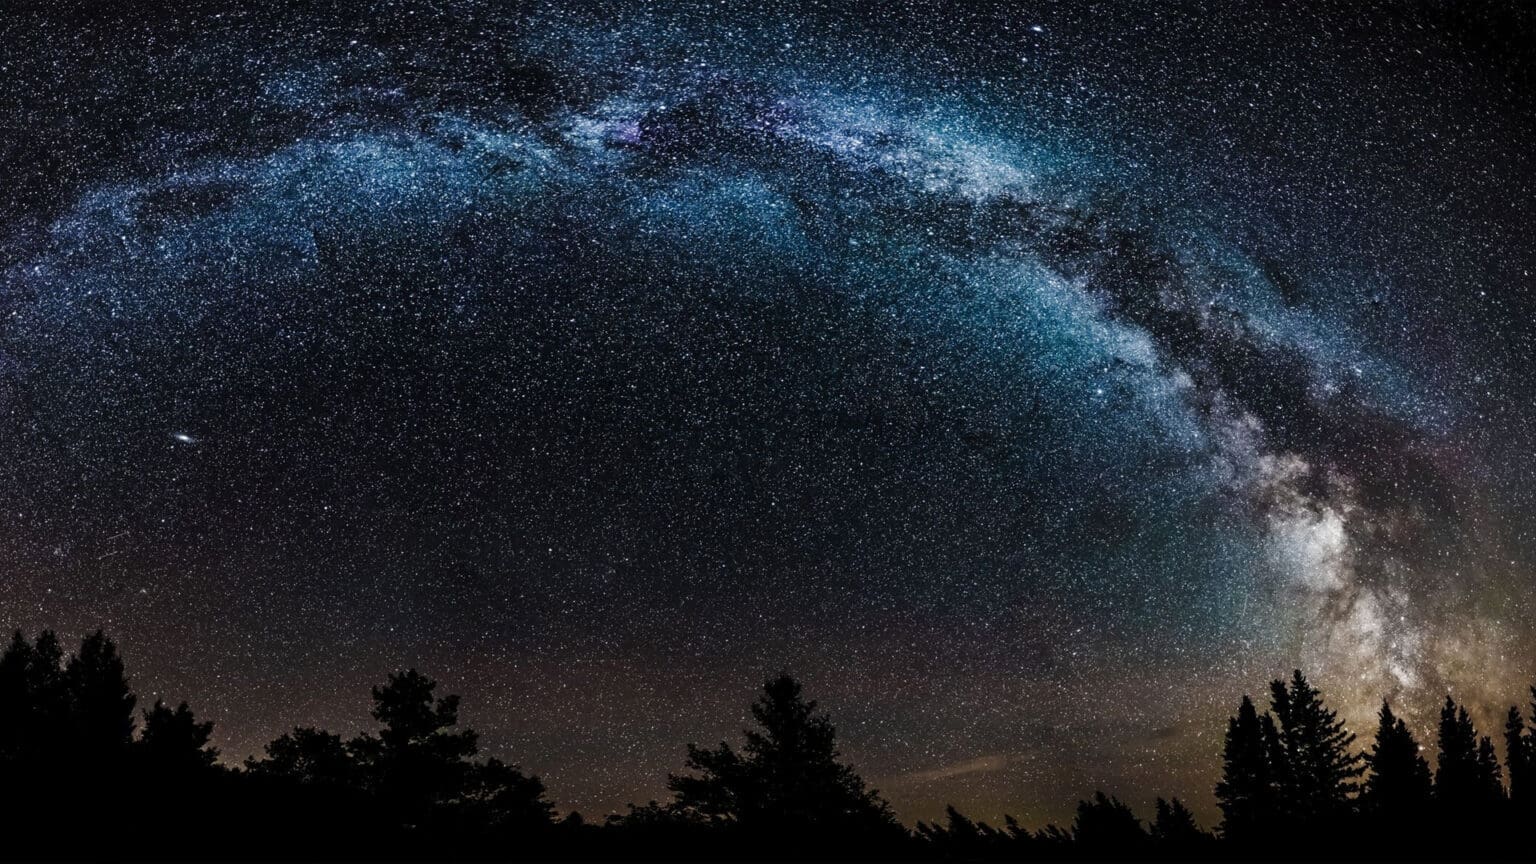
x,y
1031,379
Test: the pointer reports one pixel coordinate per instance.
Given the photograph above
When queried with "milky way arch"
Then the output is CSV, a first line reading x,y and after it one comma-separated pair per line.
x,y
513,343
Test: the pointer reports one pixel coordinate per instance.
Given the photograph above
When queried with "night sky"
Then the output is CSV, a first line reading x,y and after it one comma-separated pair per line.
x,y
1031,381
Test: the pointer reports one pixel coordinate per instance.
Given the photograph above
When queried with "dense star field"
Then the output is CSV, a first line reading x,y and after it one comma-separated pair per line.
x,y
1031,381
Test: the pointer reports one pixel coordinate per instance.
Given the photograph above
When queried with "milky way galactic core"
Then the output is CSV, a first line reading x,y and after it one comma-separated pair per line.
x,y
1032,380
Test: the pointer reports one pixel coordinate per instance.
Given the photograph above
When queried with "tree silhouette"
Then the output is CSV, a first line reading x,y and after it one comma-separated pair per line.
x,y
413,788
175,741
418,760
101,702
1490,784
1321,773
1105,825
1246,792
1054,842
15,700
1175,830
415,775
1281,780
663,828
75,716
961,839
48,722
66,735
1520,758
1399,788
1458,780
307,755
786,777
1517,758
502,799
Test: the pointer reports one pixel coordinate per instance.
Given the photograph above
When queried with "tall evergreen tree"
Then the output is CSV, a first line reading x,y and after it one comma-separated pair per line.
x,y
787,775
1281,782
1520,758
101,702
1174,827
1322,774
1490,785
48,701
15,700
1456,772
1246,792
1399,787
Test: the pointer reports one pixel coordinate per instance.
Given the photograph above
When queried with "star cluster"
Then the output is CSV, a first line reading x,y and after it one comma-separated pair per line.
x,y
1033,381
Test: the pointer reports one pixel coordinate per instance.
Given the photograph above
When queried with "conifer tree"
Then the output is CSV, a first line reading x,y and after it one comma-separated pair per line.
x,y
1281,781
48,702
1399,786
1490,785
787,775
1322,774
1018,835
1458,781
1246,792
15,701
960,838
1107,825
419,759
1174,827
100,701
1520,759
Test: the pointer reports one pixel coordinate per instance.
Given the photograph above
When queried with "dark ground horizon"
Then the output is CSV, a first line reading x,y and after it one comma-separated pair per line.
x,y
1294,783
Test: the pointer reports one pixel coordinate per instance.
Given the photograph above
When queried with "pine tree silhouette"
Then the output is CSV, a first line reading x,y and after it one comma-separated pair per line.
x,y
1322,773
1490,785
66,736
1517,759
1246,792
1281,779
958,837
1106,826
1458,781
15,700
101,702
1054,842
1399,788
413,789
786,778
416,777
174,741
48,722
1174,829
1520,758
418,760
961,839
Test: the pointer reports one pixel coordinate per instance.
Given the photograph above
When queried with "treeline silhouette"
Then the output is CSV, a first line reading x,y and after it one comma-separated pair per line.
x,y
85,771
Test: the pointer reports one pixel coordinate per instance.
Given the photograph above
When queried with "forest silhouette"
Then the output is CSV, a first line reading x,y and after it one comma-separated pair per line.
x,y
88,772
